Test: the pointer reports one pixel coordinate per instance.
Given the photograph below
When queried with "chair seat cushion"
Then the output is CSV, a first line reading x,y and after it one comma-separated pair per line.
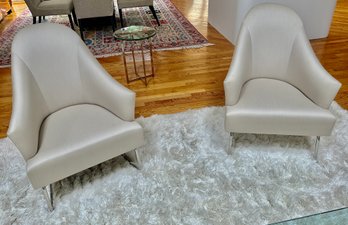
x,y
55,7
271,106
78,137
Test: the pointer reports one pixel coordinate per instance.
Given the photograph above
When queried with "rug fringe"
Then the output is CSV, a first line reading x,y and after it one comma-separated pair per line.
x,y
156,50
185,47
108,55
159,50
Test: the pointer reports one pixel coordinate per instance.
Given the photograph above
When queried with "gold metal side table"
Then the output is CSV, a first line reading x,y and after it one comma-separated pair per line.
x,y
133,34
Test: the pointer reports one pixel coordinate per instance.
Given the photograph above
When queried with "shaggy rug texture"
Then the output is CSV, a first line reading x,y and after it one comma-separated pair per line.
x,y
175,32
188,178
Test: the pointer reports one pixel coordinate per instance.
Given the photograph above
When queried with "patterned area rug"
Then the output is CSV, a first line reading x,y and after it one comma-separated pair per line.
x,y
175,32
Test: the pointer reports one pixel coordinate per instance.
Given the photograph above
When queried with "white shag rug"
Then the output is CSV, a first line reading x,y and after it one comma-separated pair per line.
x,y
188,178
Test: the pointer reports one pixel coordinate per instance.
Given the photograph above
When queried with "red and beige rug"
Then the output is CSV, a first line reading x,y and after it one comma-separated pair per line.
x,y
175,32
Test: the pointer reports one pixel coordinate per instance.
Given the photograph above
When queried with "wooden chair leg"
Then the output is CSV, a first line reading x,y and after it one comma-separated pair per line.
x,y
40,19
81,30
74,17
113,21
34,19
121,17
71,22
154,14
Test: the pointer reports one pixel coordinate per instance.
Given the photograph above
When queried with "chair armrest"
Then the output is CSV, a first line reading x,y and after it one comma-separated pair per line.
x,y
307,74
28,111
240,69
101,89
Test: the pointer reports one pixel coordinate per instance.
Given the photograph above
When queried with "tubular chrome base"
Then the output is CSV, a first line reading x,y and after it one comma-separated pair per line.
x,y
232,144
133,158
316,149
48,192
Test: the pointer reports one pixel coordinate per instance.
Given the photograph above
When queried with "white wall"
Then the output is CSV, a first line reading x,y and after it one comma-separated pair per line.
x,y
227,15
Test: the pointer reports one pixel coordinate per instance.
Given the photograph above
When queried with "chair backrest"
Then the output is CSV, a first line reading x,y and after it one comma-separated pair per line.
x,y
274,44
45,78
50,53
272,30
33,5
93,8
133,3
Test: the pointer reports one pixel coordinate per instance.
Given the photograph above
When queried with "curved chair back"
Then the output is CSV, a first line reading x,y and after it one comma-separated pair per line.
x,y
93,8
133,3
51,60
33,6
271,30
45,77
273,40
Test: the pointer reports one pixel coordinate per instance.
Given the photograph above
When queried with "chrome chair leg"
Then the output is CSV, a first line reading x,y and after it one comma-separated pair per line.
x,y
48,192
133,158
232,144
316,149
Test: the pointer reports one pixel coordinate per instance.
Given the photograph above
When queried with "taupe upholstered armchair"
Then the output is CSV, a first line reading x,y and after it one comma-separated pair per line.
x,y
87,9
68,113
275,84
42,8
122,4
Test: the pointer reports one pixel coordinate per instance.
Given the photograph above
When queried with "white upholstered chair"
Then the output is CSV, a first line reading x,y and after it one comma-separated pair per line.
x,y
122,4
275,84
68,113
42,8
87,9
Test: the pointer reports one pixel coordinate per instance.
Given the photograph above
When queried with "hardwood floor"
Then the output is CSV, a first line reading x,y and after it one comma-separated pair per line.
x,y
193,78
